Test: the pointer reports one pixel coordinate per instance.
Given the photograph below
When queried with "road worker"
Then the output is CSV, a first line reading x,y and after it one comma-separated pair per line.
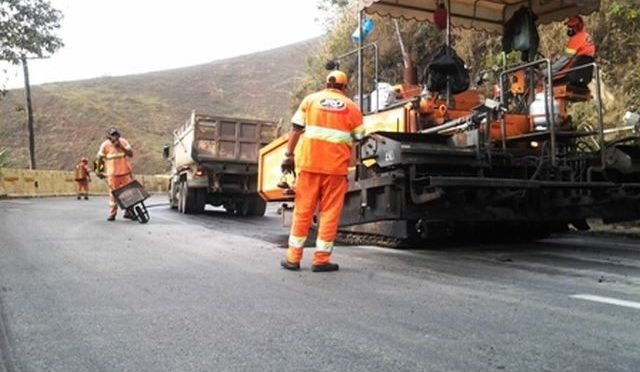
x,y
580,50
115,151
82,178
330,122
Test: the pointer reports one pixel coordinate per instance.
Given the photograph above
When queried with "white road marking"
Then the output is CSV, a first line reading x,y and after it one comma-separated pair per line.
x,y
607,300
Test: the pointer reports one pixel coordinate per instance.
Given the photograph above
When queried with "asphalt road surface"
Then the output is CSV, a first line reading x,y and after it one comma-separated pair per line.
x,y
206,293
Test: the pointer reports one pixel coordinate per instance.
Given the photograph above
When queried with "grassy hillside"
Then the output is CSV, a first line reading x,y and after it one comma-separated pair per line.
x,y
71,118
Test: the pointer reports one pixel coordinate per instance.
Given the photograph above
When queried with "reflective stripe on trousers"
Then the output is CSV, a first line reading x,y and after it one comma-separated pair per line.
x,y
297,241
324,246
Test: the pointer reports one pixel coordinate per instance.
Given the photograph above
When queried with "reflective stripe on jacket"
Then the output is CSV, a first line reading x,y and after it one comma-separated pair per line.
x,y
580,44
331,122
116,161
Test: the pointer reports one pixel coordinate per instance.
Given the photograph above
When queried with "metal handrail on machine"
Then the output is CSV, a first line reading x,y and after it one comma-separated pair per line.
x,y
598,97
550,100
357,50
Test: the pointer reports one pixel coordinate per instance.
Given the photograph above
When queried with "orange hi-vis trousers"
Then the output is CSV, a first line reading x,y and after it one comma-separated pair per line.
x,y
115,182
312,189
82,188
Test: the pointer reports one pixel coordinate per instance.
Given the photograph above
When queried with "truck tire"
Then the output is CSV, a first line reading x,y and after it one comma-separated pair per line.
x,y
253,205
182,197
192,200
257,206
243,208
199,200
173,196
185,199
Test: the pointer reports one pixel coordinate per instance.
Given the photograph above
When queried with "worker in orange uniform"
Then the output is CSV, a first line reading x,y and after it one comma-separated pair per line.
x,y
115,151
82,178
580,50
330,122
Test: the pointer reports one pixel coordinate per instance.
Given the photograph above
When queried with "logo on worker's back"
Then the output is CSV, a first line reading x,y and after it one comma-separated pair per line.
x,y
332,104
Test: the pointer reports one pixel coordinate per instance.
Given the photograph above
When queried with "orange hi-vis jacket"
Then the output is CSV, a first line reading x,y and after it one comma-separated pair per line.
x,y
81,172
116,161
580,44
331,122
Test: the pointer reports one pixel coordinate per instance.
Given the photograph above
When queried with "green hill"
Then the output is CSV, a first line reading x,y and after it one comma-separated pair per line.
x,y
71,118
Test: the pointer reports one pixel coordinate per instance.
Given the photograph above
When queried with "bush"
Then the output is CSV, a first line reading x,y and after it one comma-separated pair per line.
x,y
3,158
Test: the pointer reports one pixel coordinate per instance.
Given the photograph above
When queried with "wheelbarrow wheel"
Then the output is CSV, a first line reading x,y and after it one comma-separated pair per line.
x,y
142,215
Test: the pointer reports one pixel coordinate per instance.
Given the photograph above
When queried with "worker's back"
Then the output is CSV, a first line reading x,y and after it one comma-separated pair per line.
x,y
329,117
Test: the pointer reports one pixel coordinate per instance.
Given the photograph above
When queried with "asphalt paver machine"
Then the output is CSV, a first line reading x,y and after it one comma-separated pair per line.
x,y
439,165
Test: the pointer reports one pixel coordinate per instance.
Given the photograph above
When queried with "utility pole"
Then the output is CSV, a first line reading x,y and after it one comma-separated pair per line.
x,y
360,61
27,93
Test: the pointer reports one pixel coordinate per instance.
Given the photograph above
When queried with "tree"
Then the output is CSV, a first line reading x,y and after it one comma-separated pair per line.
x,y
27,27
341,19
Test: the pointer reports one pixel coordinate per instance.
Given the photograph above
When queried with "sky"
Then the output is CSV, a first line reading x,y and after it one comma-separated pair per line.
x,y
122,37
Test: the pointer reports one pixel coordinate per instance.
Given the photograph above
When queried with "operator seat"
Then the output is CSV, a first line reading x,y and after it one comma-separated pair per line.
x,y
571,93
573,87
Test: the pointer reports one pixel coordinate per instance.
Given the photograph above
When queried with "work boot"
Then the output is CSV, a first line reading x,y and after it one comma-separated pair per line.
x,y
111,218
325,267
289,265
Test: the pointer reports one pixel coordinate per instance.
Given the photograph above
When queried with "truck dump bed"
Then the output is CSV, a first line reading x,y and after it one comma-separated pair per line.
x,y
207,139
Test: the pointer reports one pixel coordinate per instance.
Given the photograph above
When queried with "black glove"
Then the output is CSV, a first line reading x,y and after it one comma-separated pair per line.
x,y
288,165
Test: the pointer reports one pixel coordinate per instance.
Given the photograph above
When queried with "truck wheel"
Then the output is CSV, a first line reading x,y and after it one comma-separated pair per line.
x,y
257,206
173,196
185,199
243,208
192,200
182,197
199,200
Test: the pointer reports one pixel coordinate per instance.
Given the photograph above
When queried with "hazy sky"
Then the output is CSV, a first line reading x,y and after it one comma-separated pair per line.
x,y
120,37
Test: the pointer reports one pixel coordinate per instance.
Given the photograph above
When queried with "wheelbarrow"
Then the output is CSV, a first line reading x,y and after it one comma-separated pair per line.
x,y
131,197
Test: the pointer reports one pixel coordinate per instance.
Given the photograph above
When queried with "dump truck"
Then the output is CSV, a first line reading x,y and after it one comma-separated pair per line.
x,y
444,164
214,160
